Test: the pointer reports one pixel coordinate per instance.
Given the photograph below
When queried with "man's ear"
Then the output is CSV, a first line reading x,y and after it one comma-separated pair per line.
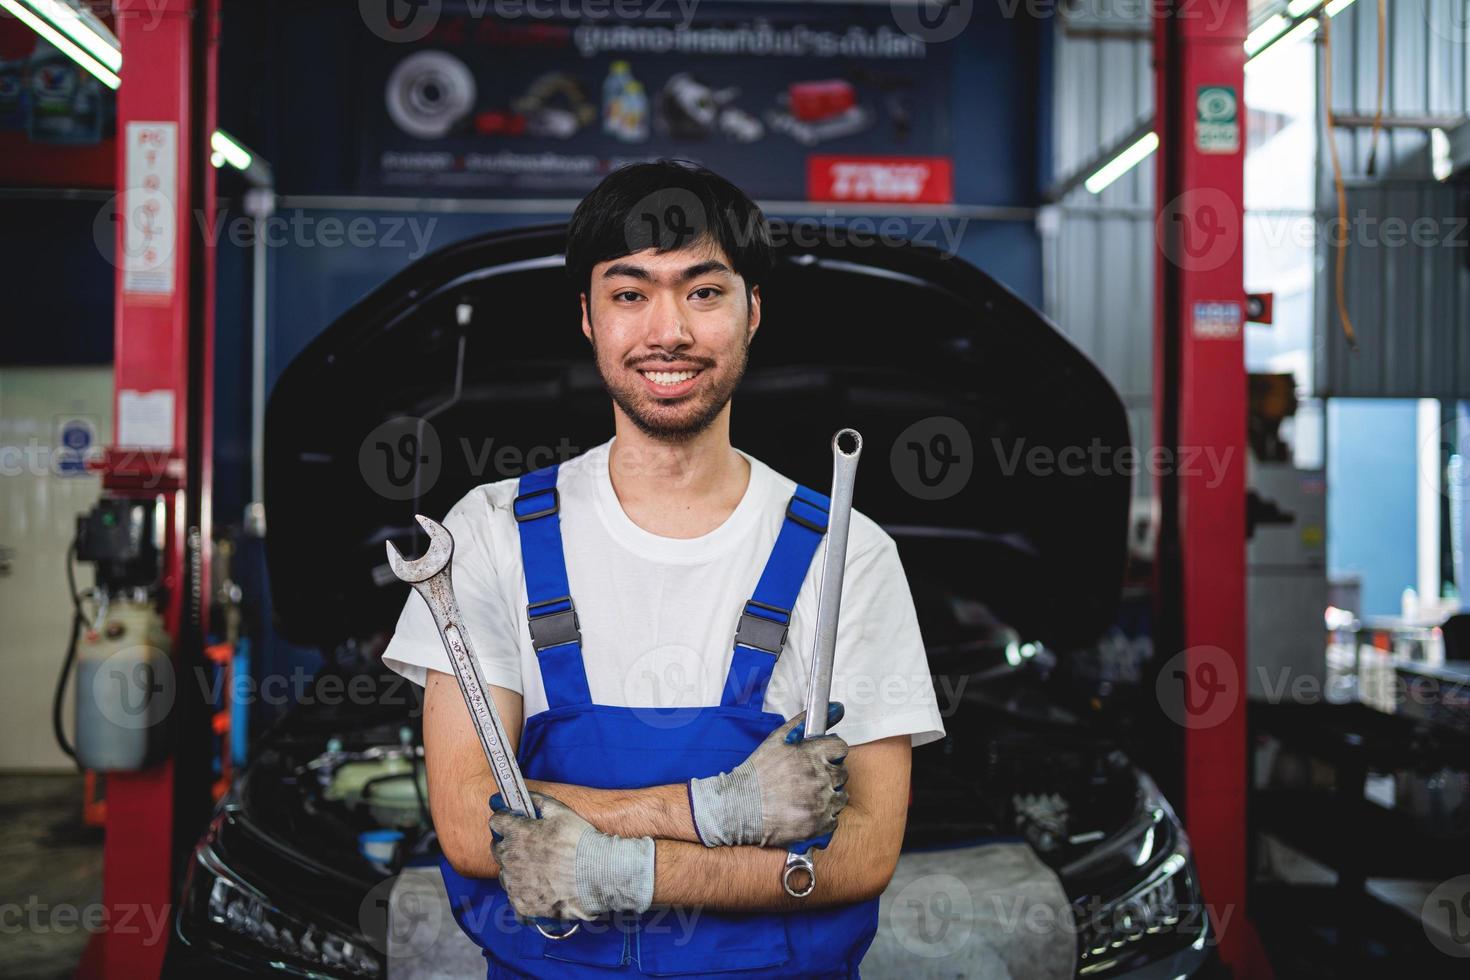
x,y
586,317
755,313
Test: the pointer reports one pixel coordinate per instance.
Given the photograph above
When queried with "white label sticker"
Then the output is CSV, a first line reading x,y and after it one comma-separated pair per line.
x,y
149,208
145,419
1217,320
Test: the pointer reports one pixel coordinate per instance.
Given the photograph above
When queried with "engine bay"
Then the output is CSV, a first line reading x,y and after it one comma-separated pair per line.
x,y
1011,766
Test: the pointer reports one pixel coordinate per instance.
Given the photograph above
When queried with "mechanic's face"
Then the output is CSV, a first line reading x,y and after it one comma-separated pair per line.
x,y
670,332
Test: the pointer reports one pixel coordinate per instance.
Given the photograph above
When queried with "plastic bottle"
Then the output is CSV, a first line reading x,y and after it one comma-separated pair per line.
x,y
618,77
634,128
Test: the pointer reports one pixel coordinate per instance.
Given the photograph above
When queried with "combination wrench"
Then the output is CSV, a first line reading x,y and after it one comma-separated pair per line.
x,y
430,577
824,644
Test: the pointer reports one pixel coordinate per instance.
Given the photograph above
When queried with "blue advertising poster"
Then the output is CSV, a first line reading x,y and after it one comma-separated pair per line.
x,y
819,102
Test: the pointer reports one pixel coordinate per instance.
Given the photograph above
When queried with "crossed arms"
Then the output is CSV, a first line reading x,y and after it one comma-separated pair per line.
x,y
855,867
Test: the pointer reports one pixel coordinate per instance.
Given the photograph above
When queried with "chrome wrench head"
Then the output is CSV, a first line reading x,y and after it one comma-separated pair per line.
x,y
431,562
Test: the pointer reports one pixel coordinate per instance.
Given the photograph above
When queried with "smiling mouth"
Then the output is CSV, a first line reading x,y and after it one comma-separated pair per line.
x,y
670,384
669,377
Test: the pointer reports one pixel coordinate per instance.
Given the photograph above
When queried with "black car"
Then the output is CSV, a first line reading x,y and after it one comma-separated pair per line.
x,y
470,366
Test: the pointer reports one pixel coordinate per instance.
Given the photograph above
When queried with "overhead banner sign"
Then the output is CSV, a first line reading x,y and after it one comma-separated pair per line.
x,y
816,102
58,124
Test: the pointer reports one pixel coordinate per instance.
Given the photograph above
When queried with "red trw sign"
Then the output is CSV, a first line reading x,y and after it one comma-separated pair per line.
x,y
893,180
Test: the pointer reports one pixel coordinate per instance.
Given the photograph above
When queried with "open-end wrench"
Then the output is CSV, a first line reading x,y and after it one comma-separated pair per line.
x,y
430,577
847,446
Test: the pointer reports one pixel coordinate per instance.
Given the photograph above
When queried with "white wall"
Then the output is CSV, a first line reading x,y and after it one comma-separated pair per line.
x,y
38,510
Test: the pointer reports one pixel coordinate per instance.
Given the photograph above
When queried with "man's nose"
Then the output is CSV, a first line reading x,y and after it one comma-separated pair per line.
x,y
668,327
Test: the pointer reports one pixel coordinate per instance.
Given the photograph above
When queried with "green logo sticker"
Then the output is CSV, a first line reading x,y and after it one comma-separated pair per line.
x,y
1216,120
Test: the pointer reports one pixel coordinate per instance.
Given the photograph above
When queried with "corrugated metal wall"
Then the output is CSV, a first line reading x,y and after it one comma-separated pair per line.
x,y
1408,293
1408,278
1408,265
1098,250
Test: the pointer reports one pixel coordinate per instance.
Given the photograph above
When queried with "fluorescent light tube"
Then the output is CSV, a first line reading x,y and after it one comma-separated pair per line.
x,y
62,43
1271,28
1122,163
226,149
69,21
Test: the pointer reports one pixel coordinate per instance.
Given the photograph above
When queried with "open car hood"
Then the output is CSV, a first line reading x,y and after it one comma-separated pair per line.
x,y
482,340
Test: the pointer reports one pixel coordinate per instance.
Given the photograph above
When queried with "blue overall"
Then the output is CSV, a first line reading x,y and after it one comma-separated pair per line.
x,y
610,747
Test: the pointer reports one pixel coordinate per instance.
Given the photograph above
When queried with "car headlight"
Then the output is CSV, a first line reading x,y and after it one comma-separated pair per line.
x,y
221,908
1159,911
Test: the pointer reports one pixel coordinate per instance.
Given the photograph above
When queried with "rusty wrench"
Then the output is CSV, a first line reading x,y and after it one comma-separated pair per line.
x,y
824,644
429,575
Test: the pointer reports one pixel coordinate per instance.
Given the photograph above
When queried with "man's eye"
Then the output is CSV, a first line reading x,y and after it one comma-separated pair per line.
x,y
627,296
705,293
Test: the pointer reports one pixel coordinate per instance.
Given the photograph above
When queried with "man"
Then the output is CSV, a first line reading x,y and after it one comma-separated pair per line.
x,y
603,596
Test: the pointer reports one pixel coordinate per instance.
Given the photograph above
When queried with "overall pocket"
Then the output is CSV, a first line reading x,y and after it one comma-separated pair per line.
x,y
602,942
690,941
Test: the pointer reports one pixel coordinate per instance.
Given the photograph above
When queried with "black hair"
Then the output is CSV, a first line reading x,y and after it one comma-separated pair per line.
x,y
666,205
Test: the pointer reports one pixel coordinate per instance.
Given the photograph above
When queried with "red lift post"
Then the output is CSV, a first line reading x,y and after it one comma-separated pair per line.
x,y
1200,402
162,442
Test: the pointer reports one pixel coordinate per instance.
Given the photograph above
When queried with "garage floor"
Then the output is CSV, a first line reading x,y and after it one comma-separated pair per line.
x,y
50,876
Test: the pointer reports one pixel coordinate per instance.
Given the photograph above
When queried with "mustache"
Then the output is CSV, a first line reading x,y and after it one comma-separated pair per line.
x,y
637,362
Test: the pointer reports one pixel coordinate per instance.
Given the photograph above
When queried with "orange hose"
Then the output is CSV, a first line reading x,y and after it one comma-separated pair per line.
x,y
1340,269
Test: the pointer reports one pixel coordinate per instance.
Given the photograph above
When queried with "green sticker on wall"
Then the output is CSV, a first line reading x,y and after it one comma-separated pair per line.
x,y
1216,120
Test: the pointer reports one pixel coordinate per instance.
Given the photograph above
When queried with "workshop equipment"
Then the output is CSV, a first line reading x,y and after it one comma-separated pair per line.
x,y
824,643
123,664
429,575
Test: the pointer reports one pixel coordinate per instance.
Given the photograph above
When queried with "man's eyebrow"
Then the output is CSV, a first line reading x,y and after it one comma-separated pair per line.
x,y
633,271
704,268
626,269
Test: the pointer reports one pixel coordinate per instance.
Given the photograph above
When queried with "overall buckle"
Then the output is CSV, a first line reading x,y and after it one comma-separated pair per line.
x,y
552,629
762,632
810,525
515,507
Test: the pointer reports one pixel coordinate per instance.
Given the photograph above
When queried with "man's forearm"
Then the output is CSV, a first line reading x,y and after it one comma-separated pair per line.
x,y
748,879
655,811
856,866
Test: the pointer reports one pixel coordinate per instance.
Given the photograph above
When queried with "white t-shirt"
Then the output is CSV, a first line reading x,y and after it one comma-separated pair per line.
x,y
658,614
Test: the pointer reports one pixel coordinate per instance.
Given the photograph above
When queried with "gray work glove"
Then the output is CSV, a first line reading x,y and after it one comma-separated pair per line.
x,y
790,789
561,867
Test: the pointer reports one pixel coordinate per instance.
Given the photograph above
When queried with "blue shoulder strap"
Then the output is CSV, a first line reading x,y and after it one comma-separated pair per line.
x,y
760,634
552,616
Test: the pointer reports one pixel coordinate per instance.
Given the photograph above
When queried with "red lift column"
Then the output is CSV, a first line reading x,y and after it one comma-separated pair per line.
x,y
1200,404
163,391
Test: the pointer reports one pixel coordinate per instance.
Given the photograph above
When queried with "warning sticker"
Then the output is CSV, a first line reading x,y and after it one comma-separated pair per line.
x,y
1216,120
148,208
145,419
1217,320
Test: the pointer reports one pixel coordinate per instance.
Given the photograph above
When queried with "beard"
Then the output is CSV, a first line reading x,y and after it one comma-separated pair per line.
x,y
674,421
